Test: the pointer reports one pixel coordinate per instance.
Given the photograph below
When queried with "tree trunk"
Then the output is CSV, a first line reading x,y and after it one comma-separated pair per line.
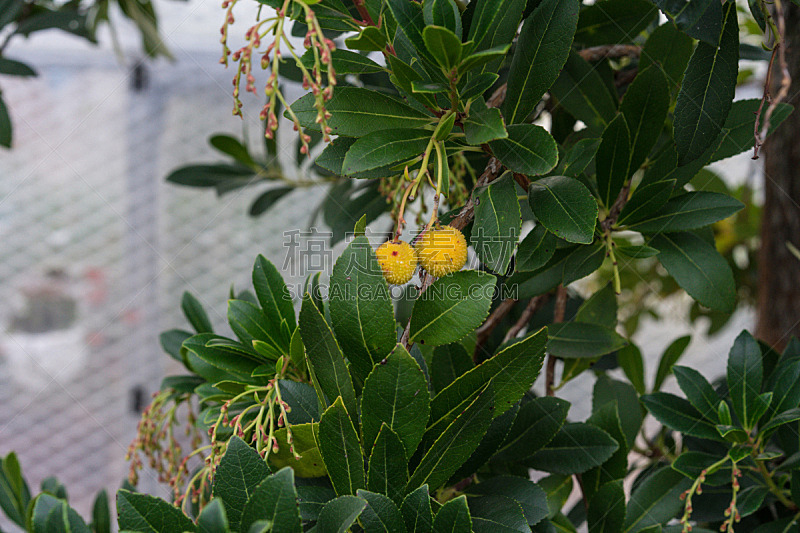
x,y
779,270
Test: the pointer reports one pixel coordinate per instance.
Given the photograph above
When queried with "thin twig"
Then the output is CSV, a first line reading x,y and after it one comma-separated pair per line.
x,y
610,51
558,317
485,331
765,97
362,10
533,307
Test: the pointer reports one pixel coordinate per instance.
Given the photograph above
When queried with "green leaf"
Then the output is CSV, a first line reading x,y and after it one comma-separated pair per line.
x,y
558,488
581,90
395,394
536,424
272,293
785,383
219,175
416,509
101,514
494,23
443,13
689,211
444,46
669,49
578,157
571,340
698,391
529,149
745,375
453,517
541,52
671,354
576,448
645,107
698,268
607,509
11,67
239,472
267,199
213,519
737,133
233,147
325,361
304,443
480,59
141,512
453,306
791,415
687,14
345,62
497,224
707,91
630,361
410,25
511,372
476,85
679,415
14,493
41,508
388,465
356,112
583,261
250,324
371,39
600,308
655,500
274,500
645,201
637,252
231,362
361,308
613,160
530,496
384,148
195,314
339,514
380,515
614,21
448,363
497,514
311,499
341,449
536,249
606,391
565,207
456,443
491,442
692,464
484,124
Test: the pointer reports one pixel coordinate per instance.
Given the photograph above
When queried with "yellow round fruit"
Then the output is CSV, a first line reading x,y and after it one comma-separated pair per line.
x,y
442,251
398,261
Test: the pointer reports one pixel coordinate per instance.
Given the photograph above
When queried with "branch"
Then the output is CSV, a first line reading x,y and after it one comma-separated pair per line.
x,y
610,51
531,309
362,10
558,317
485,331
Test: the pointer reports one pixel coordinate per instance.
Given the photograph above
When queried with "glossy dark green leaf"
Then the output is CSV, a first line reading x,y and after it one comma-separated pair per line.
x,y
737,133
669,49
536,249
613,159
484,124
229,361
311,499
607,509
679,415
576,448
453,517
511,372
615,468
213,519
689,211
614,21
238,474
219,175
582,92
381,515
671,354
578,157
565,207
443,13
542,49
453,306
645,201
573,340
361,308
489,445
606,391
698,391
707,91
101,514
745,375
530,497
443,45
497,224
477,85
631,362
384,148
249,323
600,308
645,107
195,314
686,14
339,514
529,149
388,465
395,394
494,23
11,67
267,199
655,500
274,500
698,268
497,514
141,512
345,62
371,39
341,449
325,361
536,424
447,364
583,261
416,509
272,293
356,112
785,382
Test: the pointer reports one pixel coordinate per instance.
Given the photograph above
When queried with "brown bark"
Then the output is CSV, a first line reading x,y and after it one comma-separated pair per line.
x,y
779,270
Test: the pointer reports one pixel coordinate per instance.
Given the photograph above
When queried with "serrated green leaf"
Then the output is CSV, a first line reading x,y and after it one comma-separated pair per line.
x,y
536,424
497,514
669,49
384,148
141,512
341,449
530,497
671,354
583,261
679,415
565,207
212,518
274,500
443,45
380,515
416,509
484,124
388,465
453,517
737,133
448,363
345,61
239,472
339,514
576,448
745,375
689,211
371,39
645,107
606,512
497,224
494,23
655,500
698,391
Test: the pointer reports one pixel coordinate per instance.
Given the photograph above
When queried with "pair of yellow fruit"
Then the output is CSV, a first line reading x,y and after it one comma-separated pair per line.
x,y
440,251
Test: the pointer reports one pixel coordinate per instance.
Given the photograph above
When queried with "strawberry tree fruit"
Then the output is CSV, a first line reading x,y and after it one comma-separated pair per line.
x,y
442,250
398,261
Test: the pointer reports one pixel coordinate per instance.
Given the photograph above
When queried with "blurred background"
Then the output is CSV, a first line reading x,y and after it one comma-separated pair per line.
x,y
97,247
